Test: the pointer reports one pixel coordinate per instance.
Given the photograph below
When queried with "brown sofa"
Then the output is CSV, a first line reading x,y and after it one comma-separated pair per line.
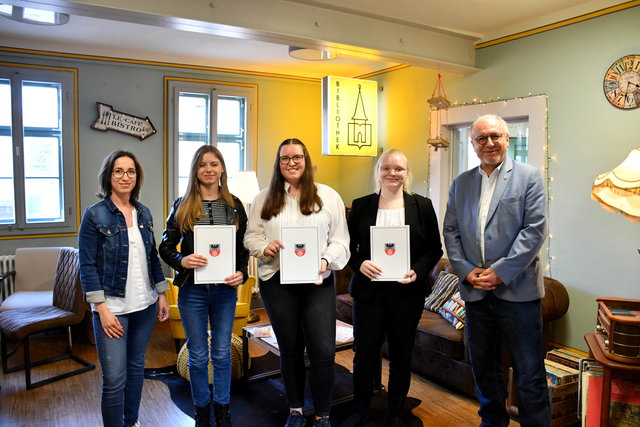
x,y
440,353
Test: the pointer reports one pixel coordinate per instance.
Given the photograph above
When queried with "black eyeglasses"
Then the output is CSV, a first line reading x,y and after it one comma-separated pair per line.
x,y
119,173
483,139
284,160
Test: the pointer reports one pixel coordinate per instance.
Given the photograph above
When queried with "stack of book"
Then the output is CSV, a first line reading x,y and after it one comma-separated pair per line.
x,y
563,373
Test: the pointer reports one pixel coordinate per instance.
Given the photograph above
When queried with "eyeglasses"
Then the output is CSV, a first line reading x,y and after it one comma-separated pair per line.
x,y
119,173
284,160
483,139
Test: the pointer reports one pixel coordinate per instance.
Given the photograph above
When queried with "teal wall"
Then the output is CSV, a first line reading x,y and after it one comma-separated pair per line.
x,y
594,251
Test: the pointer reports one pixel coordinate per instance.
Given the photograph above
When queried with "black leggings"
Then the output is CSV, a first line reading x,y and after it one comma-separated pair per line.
x,y
304,316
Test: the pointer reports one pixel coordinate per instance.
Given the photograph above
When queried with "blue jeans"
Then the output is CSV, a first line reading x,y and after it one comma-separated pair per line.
x,y
491,321
122,361
201,305
304,315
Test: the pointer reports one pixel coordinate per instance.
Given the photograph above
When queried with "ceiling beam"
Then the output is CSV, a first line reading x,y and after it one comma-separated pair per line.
x,y
289,23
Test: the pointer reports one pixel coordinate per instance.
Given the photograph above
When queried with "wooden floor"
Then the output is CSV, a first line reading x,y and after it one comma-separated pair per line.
x,y
75,401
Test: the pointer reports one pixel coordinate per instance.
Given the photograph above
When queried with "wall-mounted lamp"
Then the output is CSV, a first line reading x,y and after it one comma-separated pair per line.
x,y
619,189
33,16
308,54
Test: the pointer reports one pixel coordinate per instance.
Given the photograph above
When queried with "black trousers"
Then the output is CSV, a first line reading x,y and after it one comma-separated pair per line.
x,y
385,312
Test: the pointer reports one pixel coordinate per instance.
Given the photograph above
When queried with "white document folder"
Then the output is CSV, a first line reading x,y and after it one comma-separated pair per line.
x,y
218,244
300,258
390,251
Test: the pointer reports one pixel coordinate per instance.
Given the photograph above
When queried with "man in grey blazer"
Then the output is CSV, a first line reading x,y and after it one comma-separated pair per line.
x,y
493,230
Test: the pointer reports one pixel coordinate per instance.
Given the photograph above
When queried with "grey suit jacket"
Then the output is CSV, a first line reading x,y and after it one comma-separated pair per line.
x,y
514,233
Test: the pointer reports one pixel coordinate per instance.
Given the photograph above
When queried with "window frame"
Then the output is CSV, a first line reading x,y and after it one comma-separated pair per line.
x,y
175,85
68,79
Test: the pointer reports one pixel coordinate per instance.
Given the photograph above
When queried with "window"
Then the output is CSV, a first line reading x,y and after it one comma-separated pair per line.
x,y
223,115
527,120
464,158
37,151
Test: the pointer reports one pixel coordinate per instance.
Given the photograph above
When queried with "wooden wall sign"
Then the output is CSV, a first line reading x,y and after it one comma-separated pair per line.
x,y
110,119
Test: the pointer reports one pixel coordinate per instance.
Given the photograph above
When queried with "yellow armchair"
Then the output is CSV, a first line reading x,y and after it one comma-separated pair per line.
x,y
243,307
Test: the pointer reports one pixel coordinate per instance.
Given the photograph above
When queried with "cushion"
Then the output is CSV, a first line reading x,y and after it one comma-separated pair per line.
x,y
453,311
446,284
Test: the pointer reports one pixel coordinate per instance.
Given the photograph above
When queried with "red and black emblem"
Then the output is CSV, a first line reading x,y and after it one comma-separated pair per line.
x,y
300,249
389,248
214,249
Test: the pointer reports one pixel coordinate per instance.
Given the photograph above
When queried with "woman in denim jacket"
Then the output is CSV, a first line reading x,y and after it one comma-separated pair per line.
x,y
207,201
122,279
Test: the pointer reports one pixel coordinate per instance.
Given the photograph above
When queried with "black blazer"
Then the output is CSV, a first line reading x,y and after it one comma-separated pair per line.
x,y
426,248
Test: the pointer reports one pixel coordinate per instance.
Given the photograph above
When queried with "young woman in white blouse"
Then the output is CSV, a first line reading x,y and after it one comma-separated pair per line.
x,y
302,315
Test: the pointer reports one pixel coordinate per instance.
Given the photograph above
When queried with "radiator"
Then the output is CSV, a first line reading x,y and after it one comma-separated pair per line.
x,y
7,264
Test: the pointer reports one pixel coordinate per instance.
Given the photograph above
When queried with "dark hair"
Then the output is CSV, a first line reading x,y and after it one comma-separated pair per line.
x,y
310,201
190,209
104,176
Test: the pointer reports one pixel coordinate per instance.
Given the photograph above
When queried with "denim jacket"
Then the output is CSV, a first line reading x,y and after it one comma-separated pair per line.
x,y
104,251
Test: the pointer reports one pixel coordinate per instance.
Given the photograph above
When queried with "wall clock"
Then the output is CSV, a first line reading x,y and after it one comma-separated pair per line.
x,y
622,83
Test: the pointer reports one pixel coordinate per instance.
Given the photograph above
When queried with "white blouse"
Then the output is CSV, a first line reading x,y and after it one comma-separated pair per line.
x,y
331,222
138,292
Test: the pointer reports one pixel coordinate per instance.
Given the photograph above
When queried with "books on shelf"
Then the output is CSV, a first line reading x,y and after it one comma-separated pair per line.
x,y
565,357
558,374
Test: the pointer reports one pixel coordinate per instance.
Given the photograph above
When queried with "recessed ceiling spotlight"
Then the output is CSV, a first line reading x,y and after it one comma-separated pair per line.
x,y
33,16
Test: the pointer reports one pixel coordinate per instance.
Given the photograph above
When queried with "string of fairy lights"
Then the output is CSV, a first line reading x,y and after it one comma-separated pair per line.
x,y
548,159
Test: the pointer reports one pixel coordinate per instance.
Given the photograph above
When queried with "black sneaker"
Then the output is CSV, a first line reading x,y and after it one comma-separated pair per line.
x,y
296,419
322,421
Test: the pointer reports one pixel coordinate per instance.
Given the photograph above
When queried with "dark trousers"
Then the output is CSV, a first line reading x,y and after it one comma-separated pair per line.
x,y
384,313
490,322
304,315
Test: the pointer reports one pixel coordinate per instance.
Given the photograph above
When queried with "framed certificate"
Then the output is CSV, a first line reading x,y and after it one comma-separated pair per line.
x,y
218,244
390,251
300,258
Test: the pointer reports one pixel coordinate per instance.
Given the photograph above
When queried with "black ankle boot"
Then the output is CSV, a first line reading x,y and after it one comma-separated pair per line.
x,y
223,419
203,416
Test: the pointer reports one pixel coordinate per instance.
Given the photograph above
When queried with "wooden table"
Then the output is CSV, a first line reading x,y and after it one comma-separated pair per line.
x,y
610,369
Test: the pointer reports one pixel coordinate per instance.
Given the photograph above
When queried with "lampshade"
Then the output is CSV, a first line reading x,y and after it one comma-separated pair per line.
x,y
245,186
619,189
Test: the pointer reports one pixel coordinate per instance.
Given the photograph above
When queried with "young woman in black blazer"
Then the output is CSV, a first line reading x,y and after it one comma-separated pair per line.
x,y
384,309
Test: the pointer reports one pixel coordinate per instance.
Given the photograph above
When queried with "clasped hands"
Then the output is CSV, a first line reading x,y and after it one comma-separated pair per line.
x,y
274,246
484,279
372,271
197,261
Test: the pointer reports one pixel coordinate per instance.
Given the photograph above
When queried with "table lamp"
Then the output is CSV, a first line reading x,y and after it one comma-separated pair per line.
x,y
619,189
245,186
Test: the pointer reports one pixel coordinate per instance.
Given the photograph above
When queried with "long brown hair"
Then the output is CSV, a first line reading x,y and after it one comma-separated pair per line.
x,y
309,202
190,209
104,176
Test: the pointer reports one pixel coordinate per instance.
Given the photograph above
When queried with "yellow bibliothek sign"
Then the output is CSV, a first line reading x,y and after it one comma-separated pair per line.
x,y
349,117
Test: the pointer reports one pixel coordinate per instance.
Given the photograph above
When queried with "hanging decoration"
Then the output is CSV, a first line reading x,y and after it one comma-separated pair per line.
x,y
440,104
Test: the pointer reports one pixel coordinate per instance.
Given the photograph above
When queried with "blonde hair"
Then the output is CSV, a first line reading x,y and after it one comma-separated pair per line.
x,y
190,209
406,185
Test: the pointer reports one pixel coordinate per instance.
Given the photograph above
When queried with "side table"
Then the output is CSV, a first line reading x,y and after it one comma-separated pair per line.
x,y
610,369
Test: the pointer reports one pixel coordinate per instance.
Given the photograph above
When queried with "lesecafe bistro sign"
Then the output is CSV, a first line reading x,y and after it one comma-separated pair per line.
x,y
349,117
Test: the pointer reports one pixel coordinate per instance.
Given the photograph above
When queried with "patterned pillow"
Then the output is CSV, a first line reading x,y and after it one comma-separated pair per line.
x,y
453,311
446,284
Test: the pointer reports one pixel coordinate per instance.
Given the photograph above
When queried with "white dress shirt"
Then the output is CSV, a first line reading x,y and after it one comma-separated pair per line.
x,y
486,194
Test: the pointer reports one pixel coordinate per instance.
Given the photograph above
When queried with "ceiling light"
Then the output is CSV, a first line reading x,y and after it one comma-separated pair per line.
x,y
308,54
33,16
